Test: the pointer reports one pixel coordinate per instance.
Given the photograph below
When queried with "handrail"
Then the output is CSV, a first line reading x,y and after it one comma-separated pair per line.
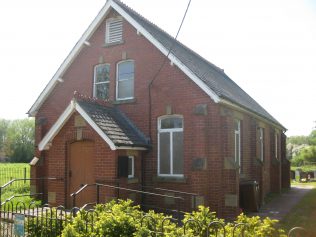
x,y
138,191
79,191
13,180
98,185
24,179
170,190
22,195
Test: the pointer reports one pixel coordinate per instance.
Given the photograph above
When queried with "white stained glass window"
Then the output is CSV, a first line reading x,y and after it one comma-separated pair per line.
x,y
101,81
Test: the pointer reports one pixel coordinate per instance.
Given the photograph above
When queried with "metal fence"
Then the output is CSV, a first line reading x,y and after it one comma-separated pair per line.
x,y
8,173
33,220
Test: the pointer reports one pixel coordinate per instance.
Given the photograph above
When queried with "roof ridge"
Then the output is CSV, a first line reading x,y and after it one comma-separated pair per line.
x,y
220,70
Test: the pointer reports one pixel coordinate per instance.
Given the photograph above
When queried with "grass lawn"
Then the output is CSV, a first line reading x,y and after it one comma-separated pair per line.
x,y
10,171
304,213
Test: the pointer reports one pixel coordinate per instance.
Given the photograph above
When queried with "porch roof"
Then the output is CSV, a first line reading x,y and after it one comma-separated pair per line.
x,y
109,122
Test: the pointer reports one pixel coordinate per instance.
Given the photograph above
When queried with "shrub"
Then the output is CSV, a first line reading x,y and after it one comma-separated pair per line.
x,y
121,218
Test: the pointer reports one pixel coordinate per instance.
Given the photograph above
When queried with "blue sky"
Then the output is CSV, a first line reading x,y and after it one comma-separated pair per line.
x,y
267,47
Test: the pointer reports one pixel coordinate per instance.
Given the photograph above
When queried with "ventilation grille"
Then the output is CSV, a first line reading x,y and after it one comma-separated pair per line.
x,y
114,31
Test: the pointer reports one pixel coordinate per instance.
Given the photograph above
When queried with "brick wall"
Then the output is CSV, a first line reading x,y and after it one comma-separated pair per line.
x,y
207,135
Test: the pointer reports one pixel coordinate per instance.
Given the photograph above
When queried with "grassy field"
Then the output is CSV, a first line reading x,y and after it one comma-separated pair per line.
x,y
304,213
9,171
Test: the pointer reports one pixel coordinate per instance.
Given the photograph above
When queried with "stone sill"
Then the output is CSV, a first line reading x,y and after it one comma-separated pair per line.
x,y
170,179
127,101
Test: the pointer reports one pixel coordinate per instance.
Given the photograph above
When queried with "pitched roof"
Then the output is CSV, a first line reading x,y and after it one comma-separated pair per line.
x,y
211,75
114,124
211,79
109,122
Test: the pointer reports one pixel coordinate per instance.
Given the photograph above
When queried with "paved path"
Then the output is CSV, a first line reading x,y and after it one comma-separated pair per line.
x,y
281,205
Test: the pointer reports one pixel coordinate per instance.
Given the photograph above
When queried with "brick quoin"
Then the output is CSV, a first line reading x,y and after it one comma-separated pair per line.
x,y
208,136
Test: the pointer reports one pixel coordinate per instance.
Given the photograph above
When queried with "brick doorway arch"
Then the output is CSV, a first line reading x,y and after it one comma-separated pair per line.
x,y
81,171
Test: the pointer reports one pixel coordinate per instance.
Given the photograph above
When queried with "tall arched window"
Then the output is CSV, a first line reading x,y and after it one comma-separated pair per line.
x,y
125,80
101,81
170,146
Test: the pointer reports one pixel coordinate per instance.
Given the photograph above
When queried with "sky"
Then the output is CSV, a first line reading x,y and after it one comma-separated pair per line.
x,y
268,47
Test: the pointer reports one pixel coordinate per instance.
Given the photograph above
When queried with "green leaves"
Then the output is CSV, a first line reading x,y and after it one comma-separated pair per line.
x,y
17,139
121,218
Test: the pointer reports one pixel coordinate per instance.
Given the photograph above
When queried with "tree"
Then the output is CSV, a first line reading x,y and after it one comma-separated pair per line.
x,y
312,138
19,142
4,124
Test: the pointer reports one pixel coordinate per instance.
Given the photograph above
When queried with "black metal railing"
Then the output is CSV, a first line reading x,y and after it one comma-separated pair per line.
x,y
177,199
8,184
51,221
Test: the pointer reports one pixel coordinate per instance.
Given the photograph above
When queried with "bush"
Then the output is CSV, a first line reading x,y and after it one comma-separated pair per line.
x,y
121,218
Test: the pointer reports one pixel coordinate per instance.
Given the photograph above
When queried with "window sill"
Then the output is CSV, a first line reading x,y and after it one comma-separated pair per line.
x,y
127,101
106,45
170,179
133,180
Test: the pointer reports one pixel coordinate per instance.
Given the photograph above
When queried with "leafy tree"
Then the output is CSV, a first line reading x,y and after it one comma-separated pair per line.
x,y
312,138
19,141
3,132
297,140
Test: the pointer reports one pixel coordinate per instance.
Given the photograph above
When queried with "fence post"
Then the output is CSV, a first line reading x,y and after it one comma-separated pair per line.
x,y
24,175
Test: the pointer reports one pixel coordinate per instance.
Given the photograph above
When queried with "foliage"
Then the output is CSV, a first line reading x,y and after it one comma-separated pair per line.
x,y
298,140
50,223
120,218
254,226
306,155
302,149
18,143
4,124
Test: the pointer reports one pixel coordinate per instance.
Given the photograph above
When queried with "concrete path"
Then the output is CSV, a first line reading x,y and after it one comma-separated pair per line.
x,y
279,206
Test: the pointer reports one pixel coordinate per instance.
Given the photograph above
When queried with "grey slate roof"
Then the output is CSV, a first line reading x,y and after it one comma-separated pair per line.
x,y
120,130
211,75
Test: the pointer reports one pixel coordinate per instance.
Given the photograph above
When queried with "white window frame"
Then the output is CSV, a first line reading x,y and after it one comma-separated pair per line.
x,y
117,80
99,83
133,167
107,30
237,134
171,131
276,139
261,142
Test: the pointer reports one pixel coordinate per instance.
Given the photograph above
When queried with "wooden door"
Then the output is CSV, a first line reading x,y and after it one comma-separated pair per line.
x,y
81,165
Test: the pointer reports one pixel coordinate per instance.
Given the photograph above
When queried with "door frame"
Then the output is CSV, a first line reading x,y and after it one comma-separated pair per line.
x,y
67,170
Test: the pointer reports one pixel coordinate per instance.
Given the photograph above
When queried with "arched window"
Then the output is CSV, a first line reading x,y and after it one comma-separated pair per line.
x,y
170,146
125,80
101,81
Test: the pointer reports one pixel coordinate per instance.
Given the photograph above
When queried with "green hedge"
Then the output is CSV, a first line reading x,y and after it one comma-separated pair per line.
x,y
121,218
